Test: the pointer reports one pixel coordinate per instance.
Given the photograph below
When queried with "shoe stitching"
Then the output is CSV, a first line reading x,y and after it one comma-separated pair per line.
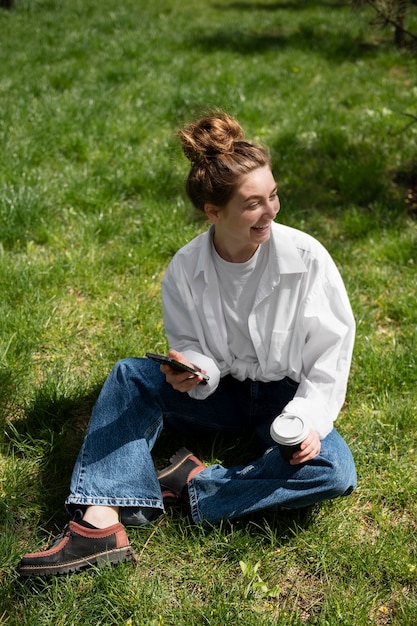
x,y
172,468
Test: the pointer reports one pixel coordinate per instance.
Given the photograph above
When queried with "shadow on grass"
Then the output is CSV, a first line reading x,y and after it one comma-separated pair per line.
x,y
296,5
326,169
332,180
6,379
335,45
50,435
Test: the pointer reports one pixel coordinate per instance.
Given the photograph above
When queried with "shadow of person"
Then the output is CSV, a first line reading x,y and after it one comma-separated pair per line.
x,y
49,434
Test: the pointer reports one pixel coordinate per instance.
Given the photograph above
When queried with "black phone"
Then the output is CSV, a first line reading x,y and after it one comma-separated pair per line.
x,y
176,365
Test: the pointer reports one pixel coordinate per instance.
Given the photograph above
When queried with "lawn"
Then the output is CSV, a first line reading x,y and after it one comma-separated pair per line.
x,y
92,208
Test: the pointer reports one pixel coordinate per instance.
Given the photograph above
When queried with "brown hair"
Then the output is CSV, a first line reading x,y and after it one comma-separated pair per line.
x,y
219,157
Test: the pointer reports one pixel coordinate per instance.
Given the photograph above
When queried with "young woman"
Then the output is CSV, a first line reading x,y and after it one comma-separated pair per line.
x,y
262,310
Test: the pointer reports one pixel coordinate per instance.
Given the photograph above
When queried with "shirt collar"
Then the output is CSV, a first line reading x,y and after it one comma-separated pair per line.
x,y
204,261
285,251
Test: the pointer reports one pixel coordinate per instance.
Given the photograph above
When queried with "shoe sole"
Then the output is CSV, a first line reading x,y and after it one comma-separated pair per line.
x,y
111,557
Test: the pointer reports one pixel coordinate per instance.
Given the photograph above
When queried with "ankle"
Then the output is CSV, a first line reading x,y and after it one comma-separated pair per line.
x,y
101,516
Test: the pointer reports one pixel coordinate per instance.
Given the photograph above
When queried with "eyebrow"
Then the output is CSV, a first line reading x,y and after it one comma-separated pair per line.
x,y
257,196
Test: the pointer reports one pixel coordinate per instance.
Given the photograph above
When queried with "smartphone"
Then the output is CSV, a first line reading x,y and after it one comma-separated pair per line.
x,y
176,365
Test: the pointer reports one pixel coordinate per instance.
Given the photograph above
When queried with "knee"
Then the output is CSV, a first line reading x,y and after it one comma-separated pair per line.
x,y
342,477
344,482
124,369
140,373
341,474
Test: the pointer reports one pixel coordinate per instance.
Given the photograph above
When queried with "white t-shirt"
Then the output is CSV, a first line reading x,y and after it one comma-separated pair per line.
x,y
237,286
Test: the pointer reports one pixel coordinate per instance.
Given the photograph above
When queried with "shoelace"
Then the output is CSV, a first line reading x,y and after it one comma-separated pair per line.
x,y
65,533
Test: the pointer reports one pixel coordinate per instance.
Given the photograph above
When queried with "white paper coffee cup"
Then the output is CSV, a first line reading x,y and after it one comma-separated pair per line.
x,y
289,431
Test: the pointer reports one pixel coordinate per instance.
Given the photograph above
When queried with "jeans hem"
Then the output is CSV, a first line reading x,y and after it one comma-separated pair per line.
x,y
195,511
120,502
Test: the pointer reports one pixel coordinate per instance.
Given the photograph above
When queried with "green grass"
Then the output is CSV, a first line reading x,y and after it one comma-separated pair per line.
x,y
91,210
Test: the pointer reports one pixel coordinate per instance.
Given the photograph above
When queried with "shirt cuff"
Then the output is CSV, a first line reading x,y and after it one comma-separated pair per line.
x,y
200,392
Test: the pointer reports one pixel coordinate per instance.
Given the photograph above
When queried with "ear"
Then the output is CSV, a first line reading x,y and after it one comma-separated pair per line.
x,y
212,212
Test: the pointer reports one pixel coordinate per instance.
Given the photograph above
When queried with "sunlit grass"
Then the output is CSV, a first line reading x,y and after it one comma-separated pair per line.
x,y
91,210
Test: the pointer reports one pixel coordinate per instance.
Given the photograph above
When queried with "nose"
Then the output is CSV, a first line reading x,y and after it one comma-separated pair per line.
x,y
273,207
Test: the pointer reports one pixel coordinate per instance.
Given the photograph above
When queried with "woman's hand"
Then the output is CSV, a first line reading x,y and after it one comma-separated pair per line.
x,y
310,448
180,381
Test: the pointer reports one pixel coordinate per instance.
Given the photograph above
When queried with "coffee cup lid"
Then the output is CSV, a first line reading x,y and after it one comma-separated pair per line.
x,y
288,429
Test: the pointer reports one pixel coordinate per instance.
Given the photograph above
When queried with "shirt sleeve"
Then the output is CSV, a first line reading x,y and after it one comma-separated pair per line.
x,y
329,330
183,329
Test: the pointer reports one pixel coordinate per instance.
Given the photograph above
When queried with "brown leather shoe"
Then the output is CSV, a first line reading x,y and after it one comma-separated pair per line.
x,y
175,477
78,547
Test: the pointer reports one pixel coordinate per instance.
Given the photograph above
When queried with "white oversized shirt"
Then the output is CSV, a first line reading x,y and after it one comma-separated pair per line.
x,y
301,324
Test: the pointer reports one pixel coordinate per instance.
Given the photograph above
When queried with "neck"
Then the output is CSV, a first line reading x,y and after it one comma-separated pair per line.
x,y
228,253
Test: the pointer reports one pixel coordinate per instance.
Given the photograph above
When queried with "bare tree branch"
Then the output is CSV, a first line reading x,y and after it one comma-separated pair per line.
x,y
397,21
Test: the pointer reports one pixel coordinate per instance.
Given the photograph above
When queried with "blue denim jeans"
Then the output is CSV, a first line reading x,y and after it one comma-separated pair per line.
x,y
115,466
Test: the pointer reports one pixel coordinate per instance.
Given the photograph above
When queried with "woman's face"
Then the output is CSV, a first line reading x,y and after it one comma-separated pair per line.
x,y
245,221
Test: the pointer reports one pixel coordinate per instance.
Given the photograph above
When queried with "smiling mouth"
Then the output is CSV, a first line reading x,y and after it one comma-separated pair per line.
x,y
260,228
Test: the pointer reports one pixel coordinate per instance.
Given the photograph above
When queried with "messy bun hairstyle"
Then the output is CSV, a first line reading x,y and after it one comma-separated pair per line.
x,y
219,157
